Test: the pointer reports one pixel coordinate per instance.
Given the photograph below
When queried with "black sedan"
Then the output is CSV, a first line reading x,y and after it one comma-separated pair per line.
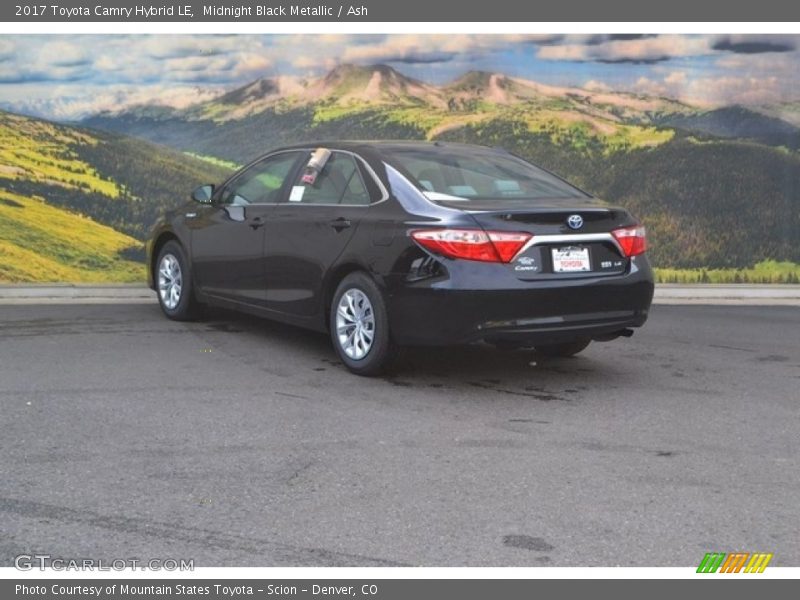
x,y
393,244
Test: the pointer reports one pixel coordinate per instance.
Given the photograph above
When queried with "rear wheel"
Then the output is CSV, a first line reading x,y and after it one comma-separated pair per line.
x,y
564,349
359,325
174,284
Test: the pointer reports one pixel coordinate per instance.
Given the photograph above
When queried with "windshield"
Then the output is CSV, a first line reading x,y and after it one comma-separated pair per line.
x,y
461,175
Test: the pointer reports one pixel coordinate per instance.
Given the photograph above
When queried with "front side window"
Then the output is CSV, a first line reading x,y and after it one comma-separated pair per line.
x,y
339,182
262,182
465,175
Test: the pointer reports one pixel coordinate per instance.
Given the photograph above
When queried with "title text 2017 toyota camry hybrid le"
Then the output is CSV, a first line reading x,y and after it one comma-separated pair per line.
x,y
392,244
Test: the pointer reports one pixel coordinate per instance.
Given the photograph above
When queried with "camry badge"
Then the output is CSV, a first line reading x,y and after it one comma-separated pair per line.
x,y
526,263
575,221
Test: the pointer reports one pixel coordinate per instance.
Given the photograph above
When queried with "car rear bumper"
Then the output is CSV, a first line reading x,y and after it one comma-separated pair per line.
x,y
452,311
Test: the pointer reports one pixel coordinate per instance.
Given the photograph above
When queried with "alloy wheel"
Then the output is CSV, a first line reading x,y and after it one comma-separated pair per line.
x,y
170,281
355,324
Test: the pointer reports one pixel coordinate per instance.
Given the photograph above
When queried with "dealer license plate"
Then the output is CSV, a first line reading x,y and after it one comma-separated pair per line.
x,y
571,260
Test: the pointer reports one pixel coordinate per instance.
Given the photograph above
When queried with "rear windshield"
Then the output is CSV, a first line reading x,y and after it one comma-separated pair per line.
x,y
453,175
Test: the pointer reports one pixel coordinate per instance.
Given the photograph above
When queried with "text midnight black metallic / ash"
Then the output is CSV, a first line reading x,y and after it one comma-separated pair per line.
x,y
387,245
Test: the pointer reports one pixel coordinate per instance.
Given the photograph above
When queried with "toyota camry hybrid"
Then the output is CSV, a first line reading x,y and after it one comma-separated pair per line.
x,y
394,244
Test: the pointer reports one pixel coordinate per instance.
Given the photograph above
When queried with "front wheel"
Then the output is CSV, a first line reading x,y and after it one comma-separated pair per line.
x,y
174,284
359,324
563,350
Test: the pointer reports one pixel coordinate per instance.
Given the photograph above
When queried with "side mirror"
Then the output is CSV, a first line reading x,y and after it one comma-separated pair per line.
x,y
203,194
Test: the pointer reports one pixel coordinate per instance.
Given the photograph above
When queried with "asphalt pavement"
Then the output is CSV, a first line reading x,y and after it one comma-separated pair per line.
x,y
240,442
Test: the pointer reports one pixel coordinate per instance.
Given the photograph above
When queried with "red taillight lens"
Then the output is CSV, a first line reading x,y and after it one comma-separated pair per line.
x,y
632,240
508,244
472,244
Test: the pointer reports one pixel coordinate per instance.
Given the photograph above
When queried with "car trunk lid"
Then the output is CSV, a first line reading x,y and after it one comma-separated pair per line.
x,y
571,240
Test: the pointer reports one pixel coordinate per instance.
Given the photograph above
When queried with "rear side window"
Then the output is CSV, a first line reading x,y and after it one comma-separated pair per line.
x,y
457,174
339,182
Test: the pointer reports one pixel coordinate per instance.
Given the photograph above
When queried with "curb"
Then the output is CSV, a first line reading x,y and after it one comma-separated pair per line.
x,y
728,294
738,294
68,293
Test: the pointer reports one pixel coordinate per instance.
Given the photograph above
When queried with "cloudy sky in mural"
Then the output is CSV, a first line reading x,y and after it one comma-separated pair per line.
x,y
68,77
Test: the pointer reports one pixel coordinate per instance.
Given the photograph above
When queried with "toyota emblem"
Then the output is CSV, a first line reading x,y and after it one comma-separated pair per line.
x,y
575,221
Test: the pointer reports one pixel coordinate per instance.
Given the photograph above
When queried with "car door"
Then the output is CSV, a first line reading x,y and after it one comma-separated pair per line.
x,y
308,232
227,236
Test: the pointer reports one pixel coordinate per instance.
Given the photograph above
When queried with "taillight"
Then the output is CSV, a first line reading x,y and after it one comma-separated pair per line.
x,y
632,240
472,244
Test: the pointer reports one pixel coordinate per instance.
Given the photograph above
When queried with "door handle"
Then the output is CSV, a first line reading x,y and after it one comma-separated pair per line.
x,y
340,224
256,222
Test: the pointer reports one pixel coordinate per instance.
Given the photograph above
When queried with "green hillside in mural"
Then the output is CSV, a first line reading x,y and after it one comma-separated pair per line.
x,y
39,242
75,205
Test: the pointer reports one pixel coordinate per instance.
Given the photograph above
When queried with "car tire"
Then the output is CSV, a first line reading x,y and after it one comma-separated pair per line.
x,y
359,326
174,285
563,350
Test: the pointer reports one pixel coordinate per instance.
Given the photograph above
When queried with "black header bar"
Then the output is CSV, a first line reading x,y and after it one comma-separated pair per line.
x,y
473,11
731,588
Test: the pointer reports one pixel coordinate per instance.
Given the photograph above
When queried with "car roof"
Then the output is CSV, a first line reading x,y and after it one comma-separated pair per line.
x,y
387,146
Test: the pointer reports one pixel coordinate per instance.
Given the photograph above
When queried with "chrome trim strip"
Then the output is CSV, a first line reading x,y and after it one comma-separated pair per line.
x,y
374,175
537,240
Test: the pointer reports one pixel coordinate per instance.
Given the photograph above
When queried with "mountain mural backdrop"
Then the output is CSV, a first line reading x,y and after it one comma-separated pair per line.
x,y
718,188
